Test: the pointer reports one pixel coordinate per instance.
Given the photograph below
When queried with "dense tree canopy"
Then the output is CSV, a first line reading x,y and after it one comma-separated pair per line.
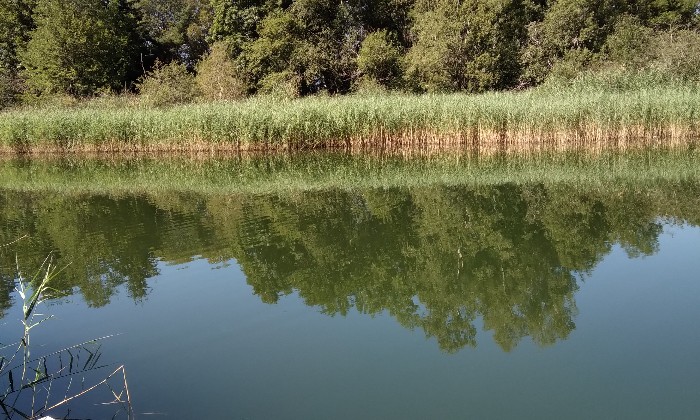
x,y
175,29
80,46
16,22
472,46
300,47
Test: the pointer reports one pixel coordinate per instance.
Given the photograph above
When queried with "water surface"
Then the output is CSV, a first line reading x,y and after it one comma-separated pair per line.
x,y
535,298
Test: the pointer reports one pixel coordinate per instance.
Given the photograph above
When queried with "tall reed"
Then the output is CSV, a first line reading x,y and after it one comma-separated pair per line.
x,y
552,119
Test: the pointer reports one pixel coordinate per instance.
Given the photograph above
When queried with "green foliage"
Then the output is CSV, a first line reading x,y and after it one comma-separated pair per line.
x,y
367,86
673,56
178,28
79,47
379,58
305,47
50,101
431,64
236,22
469,46
668,14
392,16
629,44
313,39
10,88
218,77
678,53
573,64
284,85
272,52
327,36
571,29
15,25
576,31
168,84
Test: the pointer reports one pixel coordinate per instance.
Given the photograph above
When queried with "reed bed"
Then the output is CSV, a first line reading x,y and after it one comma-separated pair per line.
x,y
540,119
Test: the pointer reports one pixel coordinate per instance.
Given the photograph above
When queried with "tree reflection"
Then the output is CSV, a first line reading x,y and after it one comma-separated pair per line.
x,y
441,259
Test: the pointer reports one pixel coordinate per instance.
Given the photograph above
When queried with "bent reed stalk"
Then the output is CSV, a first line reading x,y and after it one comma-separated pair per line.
x,y
507,121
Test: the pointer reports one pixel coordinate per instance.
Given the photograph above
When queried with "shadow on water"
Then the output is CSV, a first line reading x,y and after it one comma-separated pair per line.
x,y
438,258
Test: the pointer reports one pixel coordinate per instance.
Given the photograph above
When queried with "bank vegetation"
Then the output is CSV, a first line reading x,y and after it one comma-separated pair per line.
x,y
594,114
166,75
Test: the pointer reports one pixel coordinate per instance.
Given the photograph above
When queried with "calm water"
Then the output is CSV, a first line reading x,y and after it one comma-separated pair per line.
x,y
503,301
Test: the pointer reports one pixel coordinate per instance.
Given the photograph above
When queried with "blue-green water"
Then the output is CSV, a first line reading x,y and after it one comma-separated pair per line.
x,y
504,301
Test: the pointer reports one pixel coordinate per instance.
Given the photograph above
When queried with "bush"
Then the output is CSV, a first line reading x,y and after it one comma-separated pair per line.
x,y
678,53
217,76
673,56
284,84
573,31
465,46
629,44
79,47
380,59
49,100
611,78
168,84
368,86
573,64
9,89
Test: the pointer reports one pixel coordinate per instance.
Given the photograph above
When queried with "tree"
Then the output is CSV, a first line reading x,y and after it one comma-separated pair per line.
x,y
168,84
390,15
379,58
630,44
678,54
176,29
236,21
667,14
218,77
81,46
571,29
573,32
271,55
15,24
470,46
312,42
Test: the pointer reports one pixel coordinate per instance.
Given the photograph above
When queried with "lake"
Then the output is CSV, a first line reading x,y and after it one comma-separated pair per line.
x,y
338,286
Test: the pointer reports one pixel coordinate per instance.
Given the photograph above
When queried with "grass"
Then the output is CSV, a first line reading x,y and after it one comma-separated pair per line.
x,y
30,383
281,172
549,118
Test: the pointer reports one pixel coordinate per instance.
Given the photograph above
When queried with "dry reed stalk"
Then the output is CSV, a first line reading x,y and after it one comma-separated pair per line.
x,y
541,146
590,136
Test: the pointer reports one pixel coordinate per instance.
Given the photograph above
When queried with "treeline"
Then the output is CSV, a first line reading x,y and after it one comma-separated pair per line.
x,y
177,50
